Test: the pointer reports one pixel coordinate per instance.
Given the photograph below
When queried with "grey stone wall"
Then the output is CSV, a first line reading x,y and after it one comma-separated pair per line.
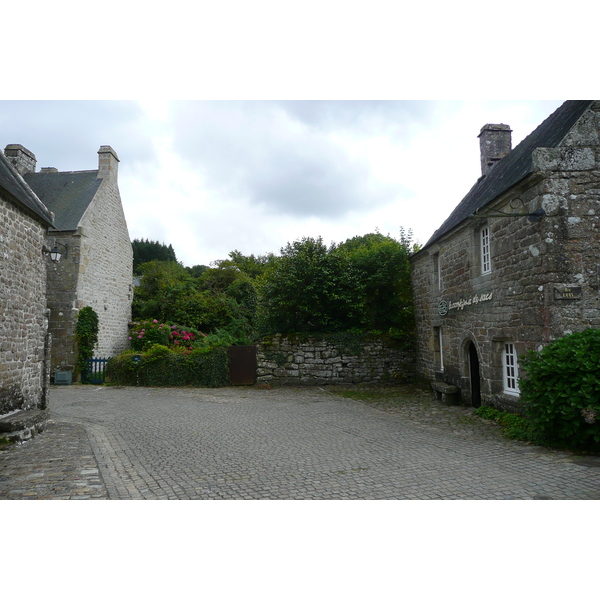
x,y
545,276
24,323
62,287
291,360
106,266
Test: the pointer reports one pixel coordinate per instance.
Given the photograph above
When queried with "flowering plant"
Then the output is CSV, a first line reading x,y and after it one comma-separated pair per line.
x,y
148,333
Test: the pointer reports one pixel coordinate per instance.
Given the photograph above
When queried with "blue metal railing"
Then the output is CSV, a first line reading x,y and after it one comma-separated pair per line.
x,y
95,370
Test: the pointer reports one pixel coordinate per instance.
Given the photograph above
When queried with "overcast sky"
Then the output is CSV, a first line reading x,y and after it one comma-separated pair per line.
x,y
209,177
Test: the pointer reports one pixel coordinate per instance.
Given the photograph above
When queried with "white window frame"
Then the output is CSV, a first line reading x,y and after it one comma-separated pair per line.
x,y
486,259
510,369
441,343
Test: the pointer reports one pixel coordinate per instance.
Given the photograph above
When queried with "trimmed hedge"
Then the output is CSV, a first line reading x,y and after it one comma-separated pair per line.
x,y
161,367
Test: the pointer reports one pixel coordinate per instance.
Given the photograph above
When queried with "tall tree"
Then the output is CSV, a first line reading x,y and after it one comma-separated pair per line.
x,y
381,266
363,283
145,251
308,288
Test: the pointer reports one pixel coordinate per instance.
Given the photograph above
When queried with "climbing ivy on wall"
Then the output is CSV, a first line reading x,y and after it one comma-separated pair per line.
x,y
86,336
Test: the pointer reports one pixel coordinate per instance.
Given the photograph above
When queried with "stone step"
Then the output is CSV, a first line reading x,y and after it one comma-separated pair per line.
x,y
23,425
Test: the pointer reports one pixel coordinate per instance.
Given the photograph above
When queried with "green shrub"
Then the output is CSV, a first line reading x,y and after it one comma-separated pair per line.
x,y
488,413
157,351
561,390
516,427
148,333
162,367
513,426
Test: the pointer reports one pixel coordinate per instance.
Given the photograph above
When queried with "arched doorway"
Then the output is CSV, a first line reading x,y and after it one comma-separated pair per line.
x,y
474,376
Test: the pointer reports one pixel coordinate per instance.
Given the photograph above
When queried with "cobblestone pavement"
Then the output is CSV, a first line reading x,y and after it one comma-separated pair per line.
x,y
285,443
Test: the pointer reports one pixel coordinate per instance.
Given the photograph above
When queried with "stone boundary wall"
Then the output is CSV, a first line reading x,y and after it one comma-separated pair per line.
x,y
292,360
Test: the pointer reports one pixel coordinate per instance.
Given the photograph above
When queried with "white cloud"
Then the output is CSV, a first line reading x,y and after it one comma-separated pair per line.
x,y
211,177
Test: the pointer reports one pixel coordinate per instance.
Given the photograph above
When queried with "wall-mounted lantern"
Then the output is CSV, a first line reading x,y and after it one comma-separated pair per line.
x,y
57,251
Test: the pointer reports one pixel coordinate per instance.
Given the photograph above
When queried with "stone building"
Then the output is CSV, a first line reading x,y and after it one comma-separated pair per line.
x,y
96,263
516,265
24,339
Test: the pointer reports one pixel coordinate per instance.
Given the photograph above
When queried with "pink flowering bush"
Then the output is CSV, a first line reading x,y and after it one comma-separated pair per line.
x,y
148,333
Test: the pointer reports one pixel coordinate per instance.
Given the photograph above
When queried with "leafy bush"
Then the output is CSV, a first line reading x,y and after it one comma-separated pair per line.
x,y
513,426
148,333
86,336
516,427
561,390
161,367
487,412
308,288
219,298
363,283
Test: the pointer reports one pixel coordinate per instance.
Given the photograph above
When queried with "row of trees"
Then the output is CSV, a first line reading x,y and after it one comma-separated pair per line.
x,y
362,284
147,250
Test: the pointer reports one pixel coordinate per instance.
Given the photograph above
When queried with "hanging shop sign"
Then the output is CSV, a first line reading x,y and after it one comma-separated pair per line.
x,y
445,307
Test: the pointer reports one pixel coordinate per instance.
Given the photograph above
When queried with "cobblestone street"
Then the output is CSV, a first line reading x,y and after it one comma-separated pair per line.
x,y
286,443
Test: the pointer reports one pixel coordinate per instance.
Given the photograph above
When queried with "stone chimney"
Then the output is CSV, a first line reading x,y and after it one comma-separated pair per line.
x,y
495,144
22,159
108,163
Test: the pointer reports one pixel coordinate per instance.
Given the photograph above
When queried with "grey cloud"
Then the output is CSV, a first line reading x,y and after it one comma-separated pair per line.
x,y
325,183
276,156
67,134
391,117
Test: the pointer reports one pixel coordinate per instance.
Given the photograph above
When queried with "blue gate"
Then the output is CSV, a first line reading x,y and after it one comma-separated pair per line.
x,y
95,370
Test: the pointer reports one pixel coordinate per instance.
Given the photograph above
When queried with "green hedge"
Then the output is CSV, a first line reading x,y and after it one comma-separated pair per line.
x,y
161,367
560,390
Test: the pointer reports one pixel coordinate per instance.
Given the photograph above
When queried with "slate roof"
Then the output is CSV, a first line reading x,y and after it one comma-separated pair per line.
x,y
516,165
66,194
20,192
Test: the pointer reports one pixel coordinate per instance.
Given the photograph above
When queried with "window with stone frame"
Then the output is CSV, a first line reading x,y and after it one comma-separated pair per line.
x,y
486,259
510,369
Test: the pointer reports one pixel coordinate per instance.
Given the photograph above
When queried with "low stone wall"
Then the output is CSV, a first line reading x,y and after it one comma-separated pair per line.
x,y
290,360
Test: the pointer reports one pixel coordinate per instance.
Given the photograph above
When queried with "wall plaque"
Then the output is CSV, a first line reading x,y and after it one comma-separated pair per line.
x,y
567,292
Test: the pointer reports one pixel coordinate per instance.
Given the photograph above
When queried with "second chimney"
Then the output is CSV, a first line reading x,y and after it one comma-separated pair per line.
x,y
108,163
495,144
22,159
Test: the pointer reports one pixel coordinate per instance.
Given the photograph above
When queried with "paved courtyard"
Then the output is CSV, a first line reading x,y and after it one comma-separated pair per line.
x,y
286,443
